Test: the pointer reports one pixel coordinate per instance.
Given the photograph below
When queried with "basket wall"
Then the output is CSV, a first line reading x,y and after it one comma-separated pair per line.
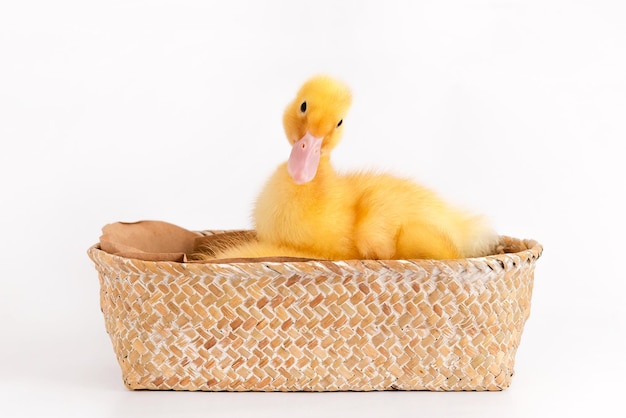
x,y
317,325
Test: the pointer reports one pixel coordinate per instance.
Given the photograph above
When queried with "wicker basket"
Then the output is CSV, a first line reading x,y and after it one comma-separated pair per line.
x,y
318,325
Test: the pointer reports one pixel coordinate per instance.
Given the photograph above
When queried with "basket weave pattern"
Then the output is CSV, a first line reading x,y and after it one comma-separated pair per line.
x,y
318,325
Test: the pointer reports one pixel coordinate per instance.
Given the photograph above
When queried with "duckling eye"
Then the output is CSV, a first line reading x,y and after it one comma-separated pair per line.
x,y
340,122
303,107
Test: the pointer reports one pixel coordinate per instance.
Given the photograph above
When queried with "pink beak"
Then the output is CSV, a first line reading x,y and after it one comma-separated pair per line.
x,y
304,158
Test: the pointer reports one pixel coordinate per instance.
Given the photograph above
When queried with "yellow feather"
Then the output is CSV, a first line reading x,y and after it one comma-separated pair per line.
x,y
359,215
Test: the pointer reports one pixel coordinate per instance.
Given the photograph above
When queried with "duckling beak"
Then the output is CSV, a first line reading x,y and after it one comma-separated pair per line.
x,y
304,158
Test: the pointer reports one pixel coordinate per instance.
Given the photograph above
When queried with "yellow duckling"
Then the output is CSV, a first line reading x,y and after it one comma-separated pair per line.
x,y
307,209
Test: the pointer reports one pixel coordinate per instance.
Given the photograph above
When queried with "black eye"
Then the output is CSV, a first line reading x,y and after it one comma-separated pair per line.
x,y
303,107
340,122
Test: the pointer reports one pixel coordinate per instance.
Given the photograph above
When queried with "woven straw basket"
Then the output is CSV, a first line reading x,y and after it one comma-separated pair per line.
x,y
318,325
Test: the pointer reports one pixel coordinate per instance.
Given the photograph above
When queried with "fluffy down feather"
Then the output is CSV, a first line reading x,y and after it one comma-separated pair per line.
x,y
307,209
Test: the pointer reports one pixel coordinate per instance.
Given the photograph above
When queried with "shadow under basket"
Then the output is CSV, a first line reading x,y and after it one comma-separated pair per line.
x,y
359,325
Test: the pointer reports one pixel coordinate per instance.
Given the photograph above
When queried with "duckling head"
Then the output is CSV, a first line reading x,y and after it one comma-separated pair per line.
x,y
313,122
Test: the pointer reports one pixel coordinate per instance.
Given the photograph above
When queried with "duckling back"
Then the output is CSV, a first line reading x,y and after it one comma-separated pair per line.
x,y
397,218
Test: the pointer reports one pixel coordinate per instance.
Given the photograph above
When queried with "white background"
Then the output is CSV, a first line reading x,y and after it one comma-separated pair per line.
x,y
171,110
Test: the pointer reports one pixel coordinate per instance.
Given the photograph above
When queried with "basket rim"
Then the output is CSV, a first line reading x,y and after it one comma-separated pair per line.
x,y
533,250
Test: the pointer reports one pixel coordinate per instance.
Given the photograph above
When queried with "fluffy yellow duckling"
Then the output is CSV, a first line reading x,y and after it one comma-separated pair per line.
x,y
307,209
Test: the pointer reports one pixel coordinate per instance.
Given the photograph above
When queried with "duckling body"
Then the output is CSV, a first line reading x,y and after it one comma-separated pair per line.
x,y
307,209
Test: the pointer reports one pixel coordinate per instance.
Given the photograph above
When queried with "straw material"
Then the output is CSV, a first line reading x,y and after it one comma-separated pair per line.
x,y
441,325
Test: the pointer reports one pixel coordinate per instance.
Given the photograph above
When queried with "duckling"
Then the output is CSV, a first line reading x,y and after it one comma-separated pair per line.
x,y
307,209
